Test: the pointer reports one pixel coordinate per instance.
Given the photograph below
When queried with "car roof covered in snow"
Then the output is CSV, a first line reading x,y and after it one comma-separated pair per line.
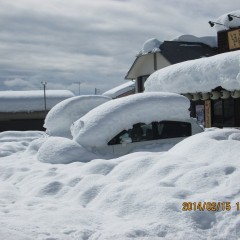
x,y
100,125
62,115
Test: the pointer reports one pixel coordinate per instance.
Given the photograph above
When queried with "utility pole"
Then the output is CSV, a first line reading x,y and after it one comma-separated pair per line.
x,y
96,91
45,100
79,87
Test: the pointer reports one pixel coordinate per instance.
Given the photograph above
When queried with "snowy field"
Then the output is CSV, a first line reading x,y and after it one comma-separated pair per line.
x,y
137,196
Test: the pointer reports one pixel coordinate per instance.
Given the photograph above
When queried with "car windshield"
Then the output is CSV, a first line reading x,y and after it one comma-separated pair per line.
x,y
155,130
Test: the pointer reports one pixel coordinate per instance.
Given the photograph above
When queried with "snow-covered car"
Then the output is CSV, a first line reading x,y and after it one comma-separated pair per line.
x,y
123,124
62,115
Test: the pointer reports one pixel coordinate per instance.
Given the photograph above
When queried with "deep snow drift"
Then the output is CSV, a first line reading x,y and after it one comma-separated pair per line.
x,y
139,195
201,75
14,141
62,115
92,132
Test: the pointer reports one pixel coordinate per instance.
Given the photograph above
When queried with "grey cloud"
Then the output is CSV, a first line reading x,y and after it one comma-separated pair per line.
x,y
94,42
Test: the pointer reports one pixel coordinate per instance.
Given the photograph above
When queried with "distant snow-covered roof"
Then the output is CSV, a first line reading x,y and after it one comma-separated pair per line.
x,y
154,45
119,90
201,75
62,115
208,40
225,21
28,101
100,125
151,45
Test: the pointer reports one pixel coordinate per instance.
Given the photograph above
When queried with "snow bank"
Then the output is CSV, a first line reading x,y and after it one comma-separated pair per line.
x,y
137,196
201,75
225,21
104,122
62,115
28,101
208,40
119,90
10,136
14,141
151,45
59,150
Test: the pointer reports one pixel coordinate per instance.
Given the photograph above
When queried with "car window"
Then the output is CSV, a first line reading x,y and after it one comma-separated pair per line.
x,y
155,130
173,129
119,138
141,132
138,133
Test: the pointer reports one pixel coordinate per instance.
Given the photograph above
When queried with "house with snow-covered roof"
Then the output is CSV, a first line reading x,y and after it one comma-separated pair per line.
x,y
122,90
25,110
156,55
211,84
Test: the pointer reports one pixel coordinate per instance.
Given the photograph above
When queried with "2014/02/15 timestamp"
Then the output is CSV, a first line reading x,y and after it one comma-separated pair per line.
x,y
209,206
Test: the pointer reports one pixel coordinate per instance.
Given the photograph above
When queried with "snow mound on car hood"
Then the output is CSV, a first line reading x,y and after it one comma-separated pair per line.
x,y
101,124
57,150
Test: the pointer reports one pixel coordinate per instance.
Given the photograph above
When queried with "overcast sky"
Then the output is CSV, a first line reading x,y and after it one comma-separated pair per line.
x,y
91,41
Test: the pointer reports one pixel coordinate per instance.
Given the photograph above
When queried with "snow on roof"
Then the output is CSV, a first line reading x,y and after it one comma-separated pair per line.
x,y
119,90
62,115
28,101
225,21
201,75
101,124
151,45
208,40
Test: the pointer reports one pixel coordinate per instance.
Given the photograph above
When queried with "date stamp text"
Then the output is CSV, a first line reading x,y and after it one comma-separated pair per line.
x,y
210,206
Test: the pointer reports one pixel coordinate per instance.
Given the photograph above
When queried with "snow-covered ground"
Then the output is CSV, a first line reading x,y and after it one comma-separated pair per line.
x,y
137,196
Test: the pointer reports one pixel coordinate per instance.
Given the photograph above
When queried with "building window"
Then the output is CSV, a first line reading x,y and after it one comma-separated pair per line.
x,y
140,83
223,113
197,110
